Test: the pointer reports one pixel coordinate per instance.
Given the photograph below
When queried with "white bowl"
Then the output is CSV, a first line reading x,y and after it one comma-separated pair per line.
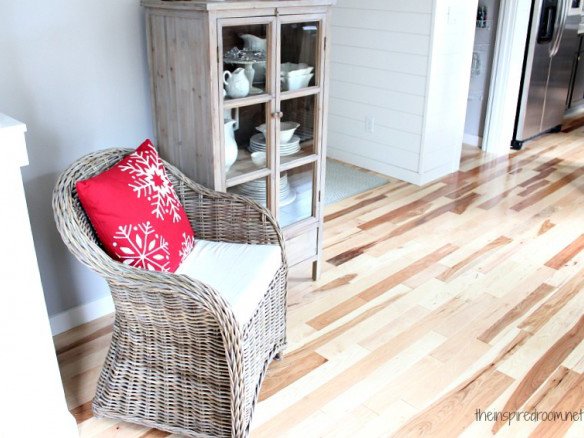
x,y
291,69
258,158
295,82
286,130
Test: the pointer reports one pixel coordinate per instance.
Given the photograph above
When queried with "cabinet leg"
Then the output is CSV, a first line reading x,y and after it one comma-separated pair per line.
x,y
315,270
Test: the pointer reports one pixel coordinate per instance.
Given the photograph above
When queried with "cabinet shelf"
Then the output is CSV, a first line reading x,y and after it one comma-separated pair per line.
x,y
246,101
244,169
298,159
237,180
308,91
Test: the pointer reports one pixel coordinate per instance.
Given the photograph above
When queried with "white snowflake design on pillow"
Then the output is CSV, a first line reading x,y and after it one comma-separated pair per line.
x,y
140,246
152,183
187,245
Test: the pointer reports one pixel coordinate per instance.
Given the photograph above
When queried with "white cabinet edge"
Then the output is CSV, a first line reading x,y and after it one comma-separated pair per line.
x,y
12,134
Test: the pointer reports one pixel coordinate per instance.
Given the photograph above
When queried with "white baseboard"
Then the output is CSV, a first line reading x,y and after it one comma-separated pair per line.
x,y
412,177
61,322
472,140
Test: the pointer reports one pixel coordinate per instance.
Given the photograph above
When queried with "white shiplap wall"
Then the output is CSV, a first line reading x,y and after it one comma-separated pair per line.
x,y
381,63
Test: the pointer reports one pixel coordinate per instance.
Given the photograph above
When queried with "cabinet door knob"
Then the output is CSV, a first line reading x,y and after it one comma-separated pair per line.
x,y
278,115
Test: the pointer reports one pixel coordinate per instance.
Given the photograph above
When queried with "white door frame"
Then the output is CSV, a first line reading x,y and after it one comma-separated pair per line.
x,y
512,27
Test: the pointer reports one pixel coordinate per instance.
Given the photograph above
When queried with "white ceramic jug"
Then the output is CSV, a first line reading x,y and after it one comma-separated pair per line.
x,y
252,42
230,143
236,83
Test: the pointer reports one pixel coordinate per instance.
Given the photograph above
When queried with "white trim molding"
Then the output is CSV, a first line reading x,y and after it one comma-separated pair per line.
x,y
61,322
512,27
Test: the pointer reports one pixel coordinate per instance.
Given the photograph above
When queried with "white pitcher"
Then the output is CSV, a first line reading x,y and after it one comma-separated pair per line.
x,y
236,83
230,143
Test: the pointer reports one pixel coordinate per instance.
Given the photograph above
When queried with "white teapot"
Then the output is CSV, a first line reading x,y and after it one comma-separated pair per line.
x,y
236,83
252,42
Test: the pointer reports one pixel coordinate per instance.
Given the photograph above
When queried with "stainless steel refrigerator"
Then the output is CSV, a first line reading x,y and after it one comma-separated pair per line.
x,y
551,44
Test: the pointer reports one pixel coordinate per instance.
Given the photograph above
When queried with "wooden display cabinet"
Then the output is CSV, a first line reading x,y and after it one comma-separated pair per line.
x,y
190,46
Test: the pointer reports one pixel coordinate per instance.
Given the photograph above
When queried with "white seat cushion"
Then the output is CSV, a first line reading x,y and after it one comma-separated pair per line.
x,y
241,273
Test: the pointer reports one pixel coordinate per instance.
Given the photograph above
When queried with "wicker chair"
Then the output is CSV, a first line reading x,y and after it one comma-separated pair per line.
x,y
178,360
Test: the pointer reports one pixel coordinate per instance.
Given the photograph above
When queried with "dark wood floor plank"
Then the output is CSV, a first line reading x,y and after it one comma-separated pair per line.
x,y
566,254
572,402
461,266
104,331
536,178
486,167
552,390
532,188
82,412
511,169
458,206
495,200
337,282
543,368
337,312
354,207
516,312
402,275
545,227
548,164
456,411
546,191
554,304
289,370
345,256
476,392
393,214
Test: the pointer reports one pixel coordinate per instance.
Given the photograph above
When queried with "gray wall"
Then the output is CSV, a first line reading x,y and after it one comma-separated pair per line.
x,y
76,73
478,95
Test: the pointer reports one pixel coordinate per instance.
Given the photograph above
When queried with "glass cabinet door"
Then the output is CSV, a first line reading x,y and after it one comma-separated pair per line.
x,y
297,194
245,133
256,189
300,119
270,71
245,53
247,83
299,55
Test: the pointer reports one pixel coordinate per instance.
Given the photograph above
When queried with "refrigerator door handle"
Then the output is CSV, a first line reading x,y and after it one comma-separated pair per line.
x,y
560,27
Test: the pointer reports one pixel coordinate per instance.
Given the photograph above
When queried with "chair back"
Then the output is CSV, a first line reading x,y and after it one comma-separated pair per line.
x,y
70,217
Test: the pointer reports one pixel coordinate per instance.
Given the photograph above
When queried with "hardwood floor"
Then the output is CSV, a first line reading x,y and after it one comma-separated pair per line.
x,y
435,302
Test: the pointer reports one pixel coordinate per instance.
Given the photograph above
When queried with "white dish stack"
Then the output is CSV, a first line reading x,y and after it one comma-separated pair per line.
x,y
289,143
256,190
257,143
295,76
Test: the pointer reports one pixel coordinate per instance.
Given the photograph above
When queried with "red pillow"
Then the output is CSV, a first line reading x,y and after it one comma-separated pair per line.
x,y
136,213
